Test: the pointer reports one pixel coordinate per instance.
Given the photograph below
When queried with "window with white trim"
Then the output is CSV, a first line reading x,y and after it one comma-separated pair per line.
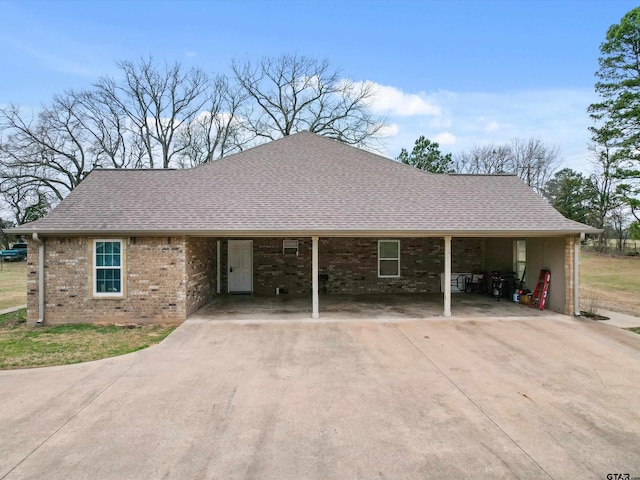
x,y
107,268
388,258
290,247
519,257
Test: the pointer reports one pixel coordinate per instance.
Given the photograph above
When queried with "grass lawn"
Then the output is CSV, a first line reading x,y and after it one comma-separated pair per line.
x,y
13,284
23,346
611,283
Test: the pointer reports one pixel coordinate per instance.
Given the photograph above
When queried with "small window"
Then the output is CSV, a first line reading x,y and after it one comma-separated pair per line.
x,y
107,268
388,258
519,257
290,247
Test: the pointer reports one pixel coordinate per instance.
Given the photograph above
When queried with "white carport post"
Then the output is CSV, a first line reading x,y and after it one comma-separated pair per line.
x,y
218,263
576,276
314,280
447,276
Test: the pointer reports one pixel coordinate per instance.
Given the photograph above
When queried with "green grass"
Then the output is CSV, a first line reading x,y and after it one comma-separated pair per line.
x,y
611,273
25,346
611,282
13,284
634,330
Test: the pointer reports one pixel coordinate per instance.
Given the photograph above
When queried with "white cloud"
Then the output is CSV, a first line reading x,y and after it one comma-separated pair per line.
x,y
445,138
439,123
468,119
389,130
489,125
393,101
190,53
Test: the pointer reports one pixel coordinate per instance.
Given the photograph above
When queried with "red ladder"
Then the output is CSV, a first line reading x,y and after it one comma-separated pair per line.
x,y
539,297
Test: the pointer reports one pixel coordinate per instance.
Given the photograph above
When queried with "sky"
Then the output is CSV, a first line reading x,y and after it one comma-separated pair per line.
x,y
462,73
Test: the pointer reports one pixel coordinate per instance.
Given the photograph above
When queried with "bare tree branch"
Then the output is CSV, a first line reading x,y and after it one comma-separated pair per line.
x,y
530,159
293,93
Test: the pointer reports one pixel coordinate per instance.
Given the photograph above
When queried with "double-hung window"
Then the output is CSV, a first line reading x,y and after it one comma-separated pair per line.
x,y
107,268
290,247
388,258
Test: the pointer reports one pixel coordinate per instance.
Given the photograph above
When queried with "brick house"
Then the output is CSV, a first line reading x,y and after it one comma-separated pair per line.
x,y
302,214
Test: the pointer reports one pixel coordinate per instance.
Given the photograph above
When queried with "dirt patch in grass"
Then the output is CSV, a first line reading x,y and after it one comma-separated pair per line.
x,y
593,316
25,346
13,284
610,282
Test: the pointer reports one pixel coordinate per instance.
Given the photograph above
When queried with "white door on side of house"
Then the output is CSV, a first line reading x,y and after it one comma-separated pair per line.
x,y
240,266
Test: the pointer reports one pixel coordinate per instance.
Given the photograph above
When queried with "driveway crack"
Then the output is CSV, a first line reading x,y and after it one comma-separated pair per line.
x,y
227,410
230,401
478,407
67,422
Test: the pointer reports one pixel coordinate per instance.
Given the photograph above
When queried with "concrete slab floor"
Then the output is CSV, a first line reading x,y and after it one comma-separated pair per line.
x,y
358,307
549,397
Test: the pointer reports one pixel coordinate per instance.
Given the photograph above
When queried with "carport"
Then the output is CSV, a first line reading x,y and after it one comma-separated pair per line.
x,y
276,274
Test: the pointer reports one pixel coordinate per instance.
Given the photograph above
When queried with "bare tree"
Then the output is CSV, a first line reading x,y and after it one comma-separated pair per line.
x,y
533,161
530,159
158,115
217,130
4,236
50,151
110,141
486,159
292,93
18,196
618,219
603,183
156,102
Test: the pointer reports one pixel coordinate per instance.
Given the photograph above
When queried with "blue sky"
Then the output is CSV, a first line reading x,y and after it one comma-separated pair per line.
x,y
463,73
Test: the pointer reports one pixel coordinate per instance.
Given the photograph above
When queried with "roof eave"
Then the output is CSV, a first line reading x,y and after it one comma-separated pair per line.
x,y
305,232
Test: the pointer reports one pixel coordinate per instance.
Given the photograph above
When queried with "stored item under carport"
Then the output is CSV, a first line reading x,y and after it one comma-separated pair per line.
x,y
502,284
539,297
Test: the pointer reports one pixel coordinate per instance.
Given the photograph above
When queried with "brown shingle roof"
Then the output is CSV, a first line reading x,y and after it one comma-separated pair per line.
x,y
303,183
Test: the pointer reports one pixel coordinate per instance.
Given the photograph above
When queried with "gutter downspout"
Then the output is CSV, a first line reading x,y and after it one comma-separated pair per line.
x,y
576,275
40,243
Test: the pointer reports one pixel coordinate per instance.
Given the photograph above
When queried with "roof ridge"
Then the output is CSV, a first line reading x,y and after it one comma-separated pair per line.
x,y
316,136
138,170
482,174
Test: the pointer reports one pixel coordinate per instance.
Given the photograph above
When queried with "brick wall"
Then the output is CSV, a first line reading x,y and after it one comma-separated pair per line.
x,y
467,255
154,289
352,265
272,268
201,271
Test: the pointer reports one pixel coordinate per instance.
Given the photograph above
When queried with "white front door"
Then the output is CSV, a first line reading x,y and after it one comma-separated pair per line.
x,y
240,266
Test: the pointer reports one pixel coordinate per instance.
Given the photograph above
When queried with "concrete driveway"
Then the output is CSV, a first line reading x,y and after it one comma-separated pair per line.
x,y
544,397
